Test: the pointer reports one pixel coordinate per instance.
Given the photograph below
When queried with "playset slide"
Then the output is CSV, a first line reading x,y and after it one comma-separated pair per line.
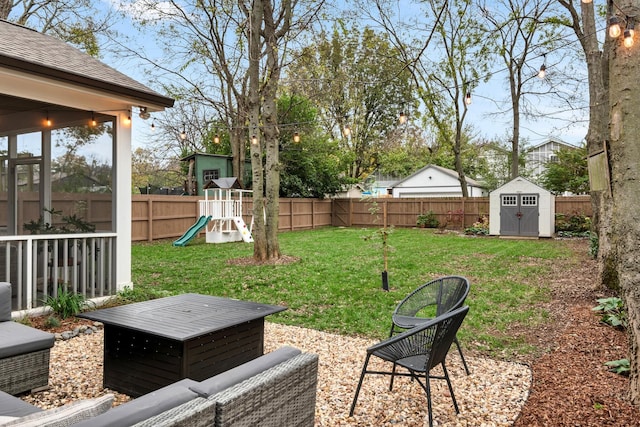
x,y
192,231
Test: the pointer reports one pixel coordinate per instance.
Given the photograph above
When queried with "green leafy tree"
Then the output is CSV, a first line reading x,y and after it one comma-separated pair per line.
x,y
356,80
568,172
312,166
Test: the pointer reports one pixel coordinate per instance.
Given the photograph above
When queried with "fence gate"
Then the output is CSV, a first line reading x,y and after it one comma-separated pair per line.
x,y
519,215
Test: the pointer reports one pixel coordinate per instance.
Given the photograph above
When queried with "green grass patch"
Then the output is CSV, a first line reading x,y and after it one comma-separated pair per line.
x,y
336,285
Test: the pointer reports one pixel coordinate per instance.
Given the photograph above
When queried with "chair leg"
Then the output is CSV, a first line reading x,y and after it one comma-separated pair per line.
x,y
393,372
429,406
464,362
355,398
393,375
453,397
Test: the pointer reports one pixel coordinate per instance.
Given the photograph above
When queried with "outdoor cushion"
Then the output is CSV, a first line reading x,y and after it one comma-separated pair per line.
x,y
226,379
11,406
5,301
65,415
16,339
145,406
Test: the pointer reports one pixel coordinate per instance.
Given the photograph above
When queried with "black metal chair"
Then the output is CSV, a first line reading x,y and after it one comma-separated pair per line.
x,y
418,350
431,300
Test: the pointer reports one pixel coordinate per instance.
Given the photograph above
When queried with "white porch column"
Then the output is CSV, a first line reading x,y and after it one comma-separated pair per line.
x,y
122,197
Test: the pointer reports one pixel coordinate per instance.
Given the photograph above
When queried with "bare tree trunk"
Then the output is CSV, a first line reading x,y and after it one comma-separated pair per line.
x,y
457,148
624,125
515,137
272,133
597,139
256,14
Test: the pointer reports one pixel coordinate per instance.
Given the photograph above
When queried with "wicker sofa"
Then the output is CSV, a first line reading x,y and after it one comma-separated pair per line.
x,y
24,351
276,389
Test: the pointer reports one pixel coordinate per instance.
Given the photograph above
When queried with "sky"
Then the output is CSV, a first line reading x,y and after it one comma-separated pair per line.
x,y
483,113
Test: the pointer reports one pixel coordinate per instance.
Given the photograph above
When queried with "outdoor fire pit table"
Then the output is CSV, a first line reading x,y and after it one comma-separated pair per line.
x,y
151,344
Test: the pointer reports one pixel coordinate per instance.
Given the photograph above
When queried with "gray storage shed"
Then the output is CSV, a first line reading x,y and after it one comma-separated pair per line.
x,y
521,208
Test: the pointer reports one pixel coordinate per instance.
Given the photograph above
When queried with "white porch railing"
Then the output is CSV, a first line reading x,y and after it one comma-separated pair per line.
x,y
36,265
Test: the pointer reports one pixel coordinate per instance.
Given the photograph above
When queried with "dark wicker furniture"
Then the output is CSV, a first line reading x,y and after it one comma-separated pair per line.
x,y
419,350
24,351
430,300
151,344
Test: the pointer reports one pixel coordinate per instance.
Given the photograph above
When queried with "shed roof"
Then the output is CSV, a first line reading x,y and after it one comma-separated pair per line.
x,y
28,51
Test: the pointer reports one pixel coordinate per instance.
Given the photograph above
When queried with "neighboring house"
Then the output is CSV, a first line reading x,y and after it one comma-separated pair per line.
x,y
353,191
205,167
498,160
380,188
436,181
46,87
538,156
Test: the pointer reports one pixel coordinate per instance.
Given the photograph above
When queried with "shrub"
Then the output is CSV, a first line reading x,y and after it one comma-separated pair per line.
x,y
52,322
612,312
130,295
480,227
25,320
620,366
428,220
573,223
66,304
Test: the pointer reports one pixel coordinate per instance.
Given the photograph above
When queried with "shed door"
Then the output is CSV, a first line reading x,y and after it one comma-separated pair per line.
x,y
519,215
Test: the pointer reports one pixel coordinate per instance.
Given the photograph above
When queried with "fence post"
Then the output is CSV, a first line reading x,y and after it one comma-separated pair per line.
x,y
150,220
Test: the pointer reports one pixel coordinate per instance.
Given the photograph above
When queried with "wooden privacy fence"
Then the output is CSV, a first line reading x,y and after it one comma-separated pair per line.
x,y
166,217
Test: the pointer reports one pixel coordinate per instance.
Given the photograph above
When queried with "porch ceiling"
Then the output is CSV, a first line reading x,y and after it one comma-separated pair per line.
x,y
21,115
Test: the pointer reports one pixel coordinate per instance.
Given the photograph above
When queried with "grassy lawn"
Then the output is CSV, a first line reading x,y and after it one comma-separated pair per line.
x,y
336,286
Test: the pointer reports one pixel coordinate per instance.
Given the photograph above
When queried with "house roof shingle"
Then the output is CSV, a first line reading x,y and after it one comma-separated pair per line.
x,y
29,51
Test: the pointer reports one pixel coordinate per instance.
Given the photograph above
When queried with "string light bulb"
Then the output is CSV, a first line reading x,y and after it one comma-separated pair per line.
x,y
296,137
93,120
543,71
614,27
254,140
216,139
48,120
153,126
467,98
183,134
403,118
629,32
628,38
347,130
586,1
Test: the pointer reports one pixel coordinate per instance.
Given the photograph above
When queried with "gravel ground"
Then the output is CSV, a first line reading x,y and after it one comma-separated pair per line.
x,y
493,395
